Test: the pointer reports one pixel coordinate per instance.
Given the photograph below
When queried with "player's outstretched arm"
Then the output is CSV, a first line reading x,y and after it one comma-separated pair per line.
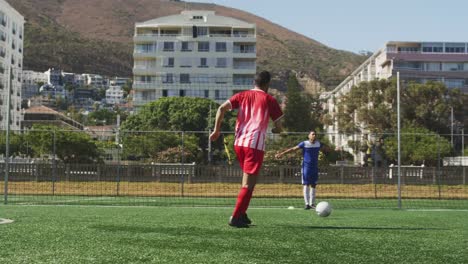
x,y
219,120
278,155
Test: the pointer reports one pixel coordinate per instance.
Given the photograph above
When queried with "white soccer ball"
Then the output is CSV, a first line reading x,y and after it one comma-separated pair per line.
x,y
323,209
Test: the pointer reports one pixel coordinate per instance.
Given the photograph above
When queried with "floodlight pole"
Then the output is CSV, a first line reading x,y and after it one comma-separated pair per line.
x,y
7,136
399,140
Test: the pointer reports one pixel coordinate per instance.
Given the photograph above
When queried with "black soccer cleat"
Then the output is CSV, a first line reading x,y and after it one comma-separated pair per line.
x,y
245,219
307,207
237,222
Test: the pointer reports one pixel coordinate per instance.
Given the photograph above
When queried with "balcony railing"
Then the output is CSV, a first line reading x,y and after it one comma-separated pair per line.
x,y
239,50
244,66
213,35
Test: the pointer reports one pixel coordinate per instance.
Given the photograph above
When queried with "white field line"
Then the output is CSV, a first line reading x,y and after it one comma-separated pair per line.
x,y
437,210
5,221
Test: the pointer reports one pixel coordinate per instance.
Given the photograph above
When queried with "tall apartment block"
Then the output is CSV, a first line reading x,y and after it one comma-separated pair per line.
x,y
446,62
194,53
11,57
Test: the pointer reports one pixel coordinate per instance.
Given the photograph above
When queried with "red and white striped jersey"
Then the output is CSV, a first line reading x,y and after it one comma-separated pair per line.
x,y
256,107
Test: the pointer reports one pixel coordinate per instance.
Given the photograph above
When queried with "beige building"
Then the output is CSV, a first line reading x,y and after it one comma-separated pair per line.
x,y
194,53
446,62
11,58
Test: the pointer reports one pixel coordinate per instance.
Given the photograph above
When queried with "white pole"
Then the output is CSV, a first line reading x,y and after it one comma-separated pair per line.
x,y
7,137
399,140
451,125
209,133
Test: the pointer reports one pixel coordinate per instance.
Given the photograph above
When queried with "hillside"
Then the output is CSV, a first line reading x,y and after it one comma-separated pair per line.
x,y
96,36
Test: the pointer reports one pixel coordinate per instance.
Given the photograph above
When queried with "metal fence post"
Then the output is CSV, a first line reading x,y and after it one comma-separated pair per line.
x,y
181,169
118,171
54,164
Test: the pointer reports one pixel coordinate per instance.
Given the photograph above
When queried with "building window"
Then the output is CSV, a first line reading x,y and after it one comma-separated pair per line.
x,y
187,46
207,93
455,49
408,49
203,63
168,78
168,46
204,46
145,48
221,47
181,93
168,62
184,78
164,93
221,62
202,31
221,94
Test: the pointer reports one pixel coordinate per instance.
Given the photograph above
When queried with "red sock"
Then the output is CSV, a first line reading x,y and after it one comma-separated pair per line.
x,y
246,202
241,197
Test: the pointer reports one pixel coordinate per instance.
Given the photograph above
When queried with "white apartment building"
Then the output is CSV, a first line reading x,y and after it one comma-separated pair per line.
x,y
31,79
94,80
446,62
114,95
54,77
118,81
11,58
194,53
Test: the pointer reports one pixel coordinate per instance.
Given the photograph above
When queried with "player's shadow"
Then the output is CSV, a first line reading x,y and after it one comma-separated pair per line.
x,y
372,228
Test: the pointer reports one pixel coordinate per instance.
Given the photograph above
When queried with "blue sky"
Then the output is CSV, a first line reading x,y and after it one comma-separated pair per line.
x,y
356,25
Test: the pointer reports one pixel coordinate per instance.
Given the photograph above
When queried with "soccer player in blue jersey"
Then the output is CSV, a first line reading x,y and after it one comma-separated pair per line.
x,y
310,156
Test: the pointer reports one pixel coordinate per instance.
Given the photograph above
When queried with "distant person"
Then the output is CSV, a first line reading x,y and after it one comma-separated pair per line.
x,y
310,156
255,108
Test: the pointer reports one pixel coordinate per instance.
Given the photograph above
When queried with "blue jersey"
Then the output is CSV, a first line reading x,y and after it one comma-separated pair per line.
x,y
310,154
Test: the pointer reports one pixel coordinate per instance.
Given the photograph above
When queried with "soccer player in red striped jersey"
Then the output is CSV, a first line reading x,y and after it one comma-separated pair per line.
x,y
255,108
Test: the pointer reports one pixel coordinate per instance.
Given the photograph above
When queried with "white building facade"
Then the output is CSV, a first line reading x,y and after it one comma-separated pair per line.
x,y
31,81
446,62
196,54
114,95
11,58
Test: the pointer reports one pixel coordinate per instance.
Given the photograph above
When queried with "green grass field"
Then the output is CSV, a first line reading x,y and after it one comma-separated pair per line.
x,y
145,234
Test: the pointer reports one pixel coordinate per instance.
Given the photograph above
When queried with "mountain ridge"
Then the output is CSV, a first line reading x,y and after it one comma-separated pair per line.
x,y
96,36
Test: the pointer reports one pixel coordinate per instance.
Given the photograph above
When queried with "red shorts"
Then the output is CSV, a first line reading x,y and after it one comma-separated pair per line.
x,y
250,160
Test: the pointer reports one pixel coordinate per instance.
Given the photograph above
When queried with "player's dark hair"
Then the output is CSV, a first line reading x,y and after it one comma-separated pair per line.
x,y
262,79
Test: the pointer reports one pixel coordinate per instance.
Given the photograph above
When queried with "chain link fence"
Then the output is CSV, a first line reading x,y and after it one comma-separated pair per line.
x,y
184,168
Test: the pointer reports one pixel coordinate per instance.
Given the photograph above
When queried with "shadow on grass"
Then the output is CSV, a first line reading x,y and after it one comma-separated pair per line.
x,y
372,228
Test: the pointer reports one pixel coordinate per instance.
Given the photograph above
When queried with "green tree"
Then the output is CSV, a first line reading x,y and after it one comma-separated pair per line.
x,y
70,146
297,113
372,106
419,145
172,114
176,114
127,88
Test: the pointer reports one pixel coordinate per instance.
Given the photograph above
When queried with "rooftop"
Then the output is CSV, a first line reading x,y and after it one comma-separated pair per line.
x,y
196,18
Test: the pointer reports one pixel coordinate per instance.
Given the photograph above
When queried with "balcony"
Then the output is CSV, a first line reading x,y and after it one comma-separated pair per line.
x,y
142,55
152,36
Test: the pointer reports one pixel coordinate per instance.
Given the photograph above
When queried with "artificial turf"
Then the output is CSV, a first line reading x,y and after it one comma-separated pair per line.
x,y
133,234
